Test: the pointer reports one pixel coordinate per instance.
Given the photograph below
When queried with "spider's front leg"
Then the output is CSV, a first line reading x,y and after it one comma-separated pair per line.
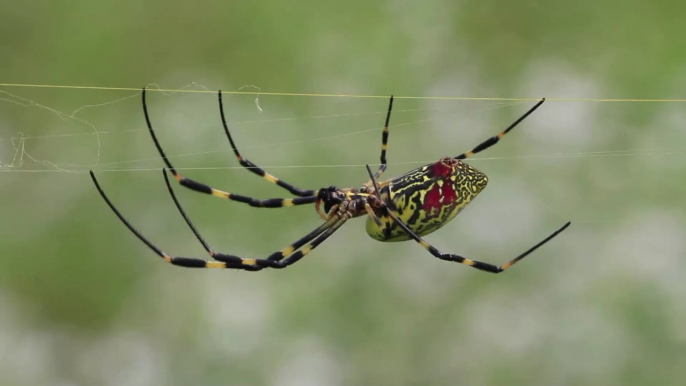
x,y
280,259
254,168
203,188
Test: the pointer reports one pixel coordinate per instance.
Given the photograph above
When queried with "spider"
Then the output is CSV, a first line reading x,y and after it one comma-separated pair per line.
x,y
402,208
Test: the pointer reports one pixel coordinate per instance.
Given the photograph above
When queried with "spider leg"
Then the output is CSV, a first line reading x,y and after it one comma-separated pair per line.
x,y
297,255
384,144
256,169
231,261
384,141
493,140
200,187
473,263
457,258
277,256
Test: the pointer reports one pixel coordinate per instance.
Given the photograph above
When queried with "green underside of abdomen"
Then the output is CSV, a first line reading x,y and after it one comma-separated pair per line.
x,y
391,232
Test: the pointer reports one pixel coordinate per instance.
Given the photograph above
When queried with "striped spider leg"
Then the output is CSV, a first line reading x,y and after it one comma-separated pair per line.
x,y
203,188
280,259
457,258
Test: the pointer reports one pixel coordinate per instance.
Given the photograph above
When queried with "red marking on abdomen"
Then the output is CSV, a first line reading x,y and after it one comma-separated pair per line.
x,y
439,197
449,194
440,169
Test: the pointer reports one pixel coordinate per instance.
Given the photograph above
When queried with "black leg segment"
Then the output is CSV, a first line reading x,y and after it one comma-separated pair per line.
x,y
493,140
254,168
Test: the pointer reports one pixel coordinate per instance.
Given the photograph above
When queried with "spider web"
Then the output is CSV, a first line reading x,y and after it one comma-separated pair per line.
x,y
111,135
23,160
74,125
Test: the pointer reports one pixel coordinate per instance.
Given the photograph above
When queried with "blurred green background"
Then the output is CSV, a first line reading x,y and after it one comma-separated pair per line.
x,y
83,302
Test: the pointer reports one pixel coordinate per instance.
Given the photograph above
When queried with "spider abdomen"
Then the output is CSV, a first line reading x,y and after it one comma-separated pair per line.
x,y
427,198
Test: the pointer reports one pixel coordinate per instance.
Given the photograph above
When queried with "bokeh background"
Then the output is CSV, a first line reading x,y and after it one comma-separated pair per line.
x,y
83,302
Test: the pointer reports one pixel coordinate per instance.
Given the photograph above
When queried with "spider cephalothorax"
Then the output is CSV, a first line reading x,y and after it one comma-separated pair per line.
x,y
329,197
407,207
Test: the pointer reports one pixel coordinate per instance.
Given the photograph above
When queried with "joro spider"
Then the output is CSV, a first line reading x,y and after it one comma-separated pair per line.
x,y
402,208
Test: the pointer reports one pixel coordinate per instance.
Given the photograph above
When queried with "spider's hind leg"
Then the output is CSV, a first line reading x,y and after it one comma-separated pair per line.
x,y
472,263
494,139
457,258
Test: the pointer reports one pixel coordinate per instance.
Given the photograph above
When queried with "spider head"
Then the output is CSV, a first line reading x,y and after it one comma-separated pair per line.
x,y
330,196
